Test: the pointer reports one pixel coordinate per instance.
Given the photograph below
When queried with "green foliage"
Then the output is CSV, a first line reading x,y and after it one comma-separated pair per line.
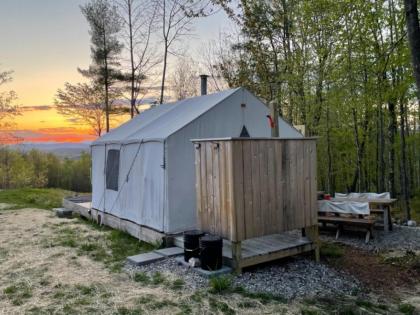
x,y
37,169
220,284
33,197
342,69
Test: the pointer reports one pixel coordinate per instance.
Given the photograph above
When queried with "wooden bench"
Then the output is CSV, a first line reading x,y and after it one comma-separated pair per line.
x,y
340,222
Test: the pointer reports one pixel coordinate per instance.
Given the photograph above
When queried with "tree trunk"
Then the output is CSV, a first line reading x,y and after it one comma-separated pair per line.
x,y
330,181
413,30
133,69
392,131
162,87
405,185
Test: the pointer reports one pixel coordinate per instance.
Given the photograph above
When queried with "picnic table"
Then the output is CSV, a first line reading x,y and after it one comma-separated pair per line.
x,y
383,207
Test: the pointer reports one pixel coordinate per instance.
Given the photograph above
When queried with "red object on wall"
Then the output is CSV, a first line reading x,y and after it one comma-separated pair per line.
x,y
271,121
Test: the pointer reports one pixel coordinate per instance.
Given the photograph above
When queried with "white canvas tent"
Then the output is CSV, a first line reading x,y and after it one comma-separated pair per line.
x,y
143,171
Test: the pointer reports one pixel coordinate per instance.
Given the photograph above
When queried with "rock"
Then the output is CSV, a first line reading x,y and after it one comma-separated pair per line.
x,y
411,223
63,212
194,262
401,238
297,278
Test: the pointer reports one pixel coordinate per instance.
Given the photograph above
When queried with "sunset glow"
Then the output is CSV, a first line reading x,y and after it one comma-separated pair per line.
x,y
46,44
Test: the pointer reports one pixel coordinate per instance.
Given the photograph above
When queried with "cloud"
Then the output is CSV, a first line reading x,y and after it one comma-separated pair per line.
x,y
73,120
59,130
36,107
67,134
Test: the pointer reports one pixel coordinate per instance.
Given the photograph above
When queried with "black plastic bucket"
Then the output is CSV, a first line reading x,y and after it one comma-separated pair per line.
x,y
192,244
211,252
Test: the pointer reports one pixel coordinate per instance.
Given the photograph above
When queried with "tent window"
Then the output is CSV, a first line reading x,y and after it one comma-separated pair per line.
x,y
244,133
112,169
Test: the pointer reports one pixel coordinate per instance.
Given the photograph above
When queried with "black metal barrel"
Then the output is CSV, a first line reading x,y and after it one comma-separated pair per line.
x,y
211,248
192,244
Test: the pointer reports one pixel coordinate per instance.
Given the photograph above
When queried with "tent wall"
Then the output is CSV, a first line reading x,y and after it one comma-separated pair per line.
x,y
140,195
98,178
224,120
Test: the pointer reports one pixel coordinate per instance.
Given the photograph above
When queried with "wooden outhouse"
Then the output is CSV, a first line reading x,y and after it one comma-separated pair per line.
x,y
250,191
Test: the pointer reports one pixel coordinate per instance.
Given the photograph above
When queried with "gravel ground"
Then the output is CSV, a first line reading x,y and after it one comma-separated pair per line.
x,y
293,278
400,238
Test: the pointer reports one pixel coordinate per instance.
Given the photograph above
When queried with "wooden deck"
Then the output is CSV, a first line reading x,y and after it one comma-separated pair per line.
x,y
263,249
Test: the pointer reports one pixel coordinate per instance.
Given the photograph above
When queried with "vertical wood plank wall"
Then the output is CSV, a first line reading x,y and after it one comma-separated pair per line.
x,y
255,187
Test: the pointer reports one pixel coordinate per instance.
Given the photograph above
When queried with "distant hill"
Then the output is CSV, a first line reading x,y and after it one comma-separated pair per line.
x,y
62,149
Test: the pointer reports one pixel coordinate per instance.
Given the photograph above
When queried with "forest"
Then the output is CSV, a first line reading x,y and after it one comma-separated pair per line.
x,y
38,169
342,69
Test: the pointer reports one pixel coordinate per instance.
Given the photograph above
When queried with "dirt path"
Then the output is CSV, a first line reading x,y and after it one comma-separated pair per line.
x,y
39,278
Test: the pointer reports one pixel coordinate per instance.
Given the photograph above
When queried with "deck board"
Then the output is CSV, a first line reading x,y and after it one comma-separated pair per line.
x,y
265,248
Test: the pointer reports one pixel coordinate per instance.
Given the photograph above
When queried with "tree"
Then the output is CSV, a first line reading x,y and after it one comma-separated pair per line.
x,y
139,17
413,29
211,52
105,25
7,98
341,68
185,79
84,103
176,21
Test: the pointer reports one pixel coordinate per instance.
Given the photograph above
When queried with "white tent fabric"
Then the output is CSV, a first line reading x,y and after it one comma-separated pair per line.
x,y
367,195
156,179
344,207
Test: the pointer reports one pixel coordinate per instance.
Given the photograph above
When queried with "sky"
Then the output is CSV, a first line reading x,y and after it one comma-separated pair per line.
x,y
44,42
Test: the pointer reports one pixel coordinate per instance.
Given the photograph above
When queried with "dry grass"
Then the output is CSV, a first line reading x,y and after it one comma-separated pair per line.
x,y
60,266
43,272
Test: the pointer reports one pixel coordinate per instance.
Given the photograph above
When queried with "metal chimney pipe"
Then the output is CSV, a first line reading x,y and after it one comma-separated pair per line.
x,y
203,84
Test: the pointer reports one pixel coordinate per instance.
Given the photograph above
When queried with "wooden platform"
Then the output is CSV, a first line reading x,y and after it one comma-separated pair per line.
x,y
82,206
263,249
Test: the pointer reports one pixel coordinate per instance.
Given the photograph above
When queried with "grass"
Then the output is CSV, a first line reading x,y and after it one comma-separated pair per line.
x,y
219,306
220,284
177,284
141,277
406,308
331,250
111,247
18,292
410,260
344,305
41,198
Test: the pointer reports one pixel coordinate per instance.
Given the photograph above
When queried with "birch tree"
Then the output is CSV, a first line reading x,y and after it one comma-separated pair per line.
x,y
139,19
176,22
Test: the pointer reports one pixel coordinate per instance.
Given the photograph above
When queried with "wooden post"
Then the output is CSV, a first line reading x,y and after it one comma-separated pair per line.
x,y
274,113
313,235
386,217
236,257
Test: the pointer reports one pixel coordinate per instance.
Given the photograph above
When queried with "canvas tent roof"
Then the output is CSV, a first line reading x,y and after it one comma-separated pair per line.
x,y
166,118
161,121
